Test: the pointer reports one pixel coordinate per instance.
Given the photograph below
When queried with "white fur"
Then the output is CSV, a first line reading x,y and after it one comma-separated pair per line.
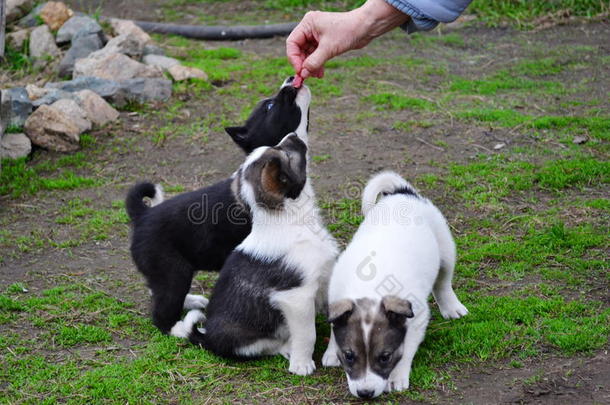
x,y
183,328
296,235
303,100
159,196
405,240
382,182
193,301
370,381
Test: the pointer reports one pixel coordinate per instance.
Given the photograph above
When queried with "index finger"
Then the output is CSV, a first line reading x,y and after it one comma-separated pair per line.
x,y
295,44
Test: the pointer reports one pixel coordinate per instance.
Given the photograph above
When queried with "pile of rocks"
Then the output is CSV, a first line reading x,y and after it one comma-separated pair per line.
x,y
116,67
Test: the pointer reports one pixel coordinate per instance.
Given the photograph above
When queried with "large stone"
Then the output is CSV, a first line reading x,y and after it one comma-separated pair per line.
x,y
20,106
32,19
74,111
55,14
42,44
152,49
144,90
5,111
118,93
180,73
35,92
98,110
126,44
49,128
82,46
162,62
103,87
16,9
77,25
114,67
17,38
52,96
123,27
15,146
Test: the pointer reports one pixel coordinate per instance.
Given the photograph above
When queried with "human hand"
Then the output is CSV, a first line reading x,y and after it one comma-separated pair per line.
x,y
321,36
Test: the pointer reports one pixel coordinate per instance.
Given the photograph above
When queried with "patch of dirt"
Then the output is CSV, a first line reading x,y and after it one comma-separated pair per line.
x,y
551,381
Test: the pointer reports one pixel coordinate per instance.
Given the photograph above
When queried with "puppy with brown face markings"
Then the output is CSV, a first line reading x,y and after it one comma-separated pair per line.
x,y
264,300
380,285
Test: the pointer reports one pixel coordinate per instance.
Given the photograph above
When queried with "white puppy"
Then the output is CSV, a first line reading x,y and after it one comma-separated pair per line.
x,y
380,286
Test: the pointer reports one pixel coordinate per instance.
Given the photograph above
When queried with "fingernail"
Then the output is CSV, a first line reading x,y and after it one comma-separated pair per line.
x,y
304,73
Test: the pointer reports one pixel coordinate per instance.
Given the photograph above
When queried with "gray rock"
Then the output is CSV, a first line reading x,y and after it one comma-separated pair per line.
x,y
42,44
15,146
82,46
15,9
20,106
126,44
17,38
115,66
33,18
5,108
162,62
105,88
52,96
119,93
180,73
151,49
82,25
50,128
143,90
122,27
98,110
72,110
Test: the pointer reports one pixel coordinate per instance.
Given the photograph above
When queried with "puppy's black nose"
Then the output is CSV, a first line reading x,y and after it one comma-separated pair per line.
x,y
290,80
366,394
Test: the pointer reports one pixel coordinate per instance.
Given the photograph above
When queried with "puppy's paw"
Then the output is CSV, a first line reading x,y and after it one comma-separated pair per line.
x,y
330,359
305,367
193,301
453,311
397,383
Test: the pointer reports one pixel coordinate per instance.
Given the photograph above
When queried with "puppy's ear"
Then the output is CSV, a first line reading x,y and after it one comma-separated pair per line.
x,y
239,136
340,311
396,309
272,183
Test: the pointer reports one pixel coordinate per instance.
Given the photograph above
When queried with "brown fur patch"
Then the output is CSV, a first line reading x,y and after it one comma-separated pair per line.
x,y
270,178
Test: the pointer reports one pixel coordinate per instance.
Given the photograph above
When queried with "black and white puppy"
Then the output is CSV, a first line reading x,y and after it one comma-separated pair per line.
x,y
380,285
264,300
193,231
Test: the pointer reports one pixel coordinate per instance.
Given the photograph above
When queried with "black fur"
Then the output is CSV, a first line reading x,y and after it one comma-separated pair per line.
x,y
198,230
406,190
190,232
267,126
135,199
239,312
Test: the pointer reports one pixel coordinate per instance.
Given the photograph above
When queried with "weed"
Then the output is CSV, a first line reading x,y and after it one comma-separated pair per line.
x,y
398,102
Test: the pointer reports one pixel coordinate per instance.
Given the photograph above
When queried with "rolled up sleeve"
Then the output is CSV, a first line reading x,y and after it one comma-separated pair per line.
x,y
426,14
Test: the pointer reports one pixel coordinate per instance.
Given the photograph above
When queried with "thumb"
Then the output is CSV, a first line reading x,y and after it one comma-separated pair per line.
x,y
314,62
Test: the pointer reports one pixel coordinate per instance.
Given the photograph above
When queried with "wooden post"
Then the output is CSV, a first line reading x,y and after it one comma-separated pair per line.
x,y
2,26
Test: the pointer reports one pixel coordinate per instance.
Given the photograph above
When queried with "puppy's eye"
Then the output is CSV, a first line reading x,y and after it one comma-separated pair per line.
x,y
385,357
349,356
283,179
269,105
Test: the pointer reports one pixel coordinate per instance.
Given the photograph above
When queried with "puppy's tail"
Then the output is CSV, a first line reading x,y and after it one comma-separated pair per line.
x,y
134,203
385,183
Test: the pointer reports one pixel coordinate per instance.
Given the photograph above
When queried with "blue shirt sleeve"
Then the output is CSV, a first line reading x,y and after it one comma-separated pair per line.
x,y
426,14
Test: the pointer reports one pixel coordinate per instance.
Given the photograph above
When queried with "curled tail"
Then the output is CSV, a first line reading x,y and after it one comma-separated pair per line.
x,y
134,203
385,183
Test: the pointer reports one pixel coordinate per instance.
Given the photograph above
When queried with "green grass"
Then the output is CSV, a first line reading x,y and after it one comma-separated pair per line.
x,y
504,81
399,102
521,12
597,126
19,177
